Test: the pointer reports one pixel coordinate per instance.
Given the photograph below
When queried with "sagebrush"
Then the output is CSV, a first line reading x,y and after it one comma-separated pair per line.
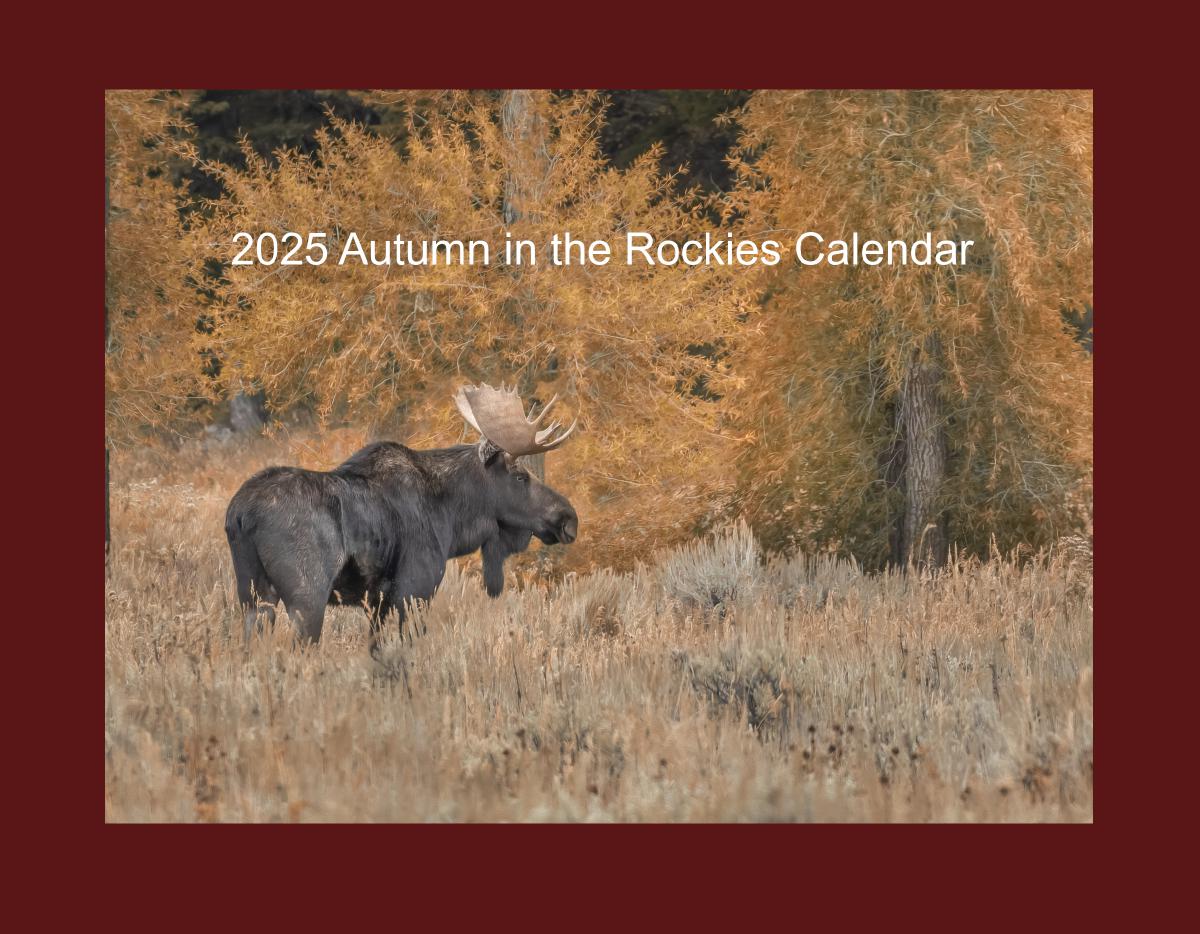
x,y
707,686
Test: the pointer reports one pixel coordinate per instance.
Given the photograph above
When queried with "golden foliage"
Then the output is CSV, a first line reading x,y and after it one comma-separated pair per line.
x,y
151,365
1011,171
706,687
385,346
700,391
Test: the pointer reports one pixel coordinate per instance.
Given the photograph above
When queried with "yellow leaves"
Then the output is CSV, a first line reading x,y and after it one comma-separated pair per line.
x,y
151,369
369,343
1000,168
688,388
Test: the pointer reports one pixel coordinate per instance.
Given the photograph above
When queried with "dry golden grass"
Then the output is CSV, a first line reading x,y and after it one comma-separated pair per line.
x,y
706,687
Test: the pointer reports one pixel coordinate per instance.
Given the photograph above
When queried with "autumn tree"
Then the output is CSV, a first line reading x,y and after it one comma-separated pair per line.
x,y
894,410
385,345
151,367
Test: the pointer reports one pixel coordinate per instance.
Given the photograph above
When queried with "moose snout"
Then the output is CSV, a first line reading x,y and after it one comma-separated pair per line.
x,y
568,526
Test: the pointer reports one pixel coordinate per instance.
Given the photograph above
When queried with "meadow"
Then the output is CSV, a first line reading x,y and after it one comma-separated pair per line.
x,y
712,683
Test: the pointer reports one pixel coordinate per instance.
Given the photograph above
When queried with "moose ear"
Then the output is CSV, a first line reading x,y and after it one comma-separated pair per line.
x,y
488,452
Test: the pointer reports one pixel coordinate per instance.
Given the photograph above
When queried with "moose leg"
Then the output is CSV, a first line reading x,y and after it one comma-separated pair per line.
x,y
378,607
401,608
494,552
254,615
304,577
306,594
308,613
256,595
418,582
264,608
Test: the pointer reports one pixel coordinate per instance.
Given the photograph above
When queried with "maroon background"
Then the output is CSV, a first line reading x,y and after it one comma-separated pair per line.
x,y
519,875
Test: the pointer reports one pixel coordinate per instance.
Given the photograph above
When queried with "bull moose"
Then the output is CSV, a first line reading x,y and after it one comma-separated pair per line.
x,y
379,529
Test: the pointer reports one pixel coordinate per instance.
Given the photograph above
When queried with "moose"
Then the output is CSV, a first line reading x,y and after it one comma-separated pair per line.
x,y
378,530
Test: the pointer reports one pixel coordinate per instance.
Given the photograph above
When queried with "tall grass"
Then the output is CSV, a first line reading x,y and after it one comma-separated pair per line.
x,y
709,685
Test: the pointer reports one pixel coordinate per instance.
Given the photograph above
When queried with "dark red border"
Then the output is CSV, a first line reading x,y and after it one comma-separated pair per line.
x,y
514,875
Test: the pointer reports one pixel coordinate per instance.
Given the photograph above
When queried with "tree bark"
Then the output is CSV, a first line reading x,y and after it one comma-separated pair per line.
x,y
922,428
891,463
525,129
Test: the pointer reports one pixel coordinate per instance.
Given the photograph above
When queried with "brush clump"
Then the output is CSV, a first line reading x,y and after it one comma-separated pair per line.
x,y
709,684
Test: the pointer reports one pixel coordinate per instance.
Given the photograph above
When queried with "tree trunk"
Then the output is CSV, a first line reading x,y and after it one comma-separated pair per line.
x,y
891,463
524,128
921,426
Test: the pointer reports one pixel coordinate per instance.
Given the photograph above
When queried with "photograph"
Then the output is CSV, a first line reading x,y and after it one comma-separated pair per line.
x,y
620,456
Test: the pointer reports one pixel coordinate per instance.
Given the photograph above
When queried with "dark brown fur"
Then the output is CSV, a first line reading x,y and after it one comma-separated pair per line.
x,y
379,529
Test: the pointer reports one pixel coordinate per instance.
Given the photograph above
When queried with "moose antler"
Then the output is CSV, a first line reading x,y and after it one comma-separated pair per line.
x,y
499,416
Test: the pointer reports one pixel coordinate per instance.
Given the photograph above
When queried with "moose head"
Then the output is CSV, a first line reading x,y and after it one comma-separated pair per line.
x,y
525,506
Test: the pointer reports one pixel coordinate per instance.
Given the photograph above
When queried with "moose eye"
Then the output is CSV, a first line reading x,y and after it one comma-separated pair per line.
x,y
522,477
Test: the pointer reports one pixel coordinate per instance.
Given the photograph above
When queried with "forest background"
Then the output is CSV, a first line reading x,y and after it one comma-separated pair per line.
x,y
892,415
